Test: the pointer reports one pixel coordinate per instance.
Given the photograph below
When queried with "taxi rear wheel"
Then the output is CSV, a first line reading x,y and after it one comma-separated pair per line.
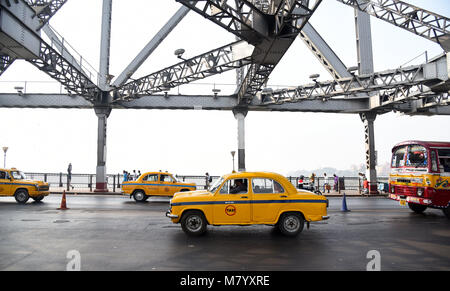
x,y
139,196
193,223
291,223
22,196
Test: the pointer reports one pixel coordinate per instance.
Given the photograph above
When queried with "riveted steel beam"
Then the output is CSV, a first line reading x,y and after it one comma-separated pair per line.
x,y
414,19
228,57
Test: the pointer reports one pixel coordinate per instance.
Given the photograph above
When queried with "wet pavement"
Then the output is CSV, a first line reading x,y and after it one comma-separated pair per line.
x,y
115,233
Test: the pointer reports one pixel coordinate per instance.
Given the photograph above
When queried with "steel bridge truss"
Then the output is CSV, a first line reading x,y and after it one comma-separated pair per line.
x,y
392,87
265,29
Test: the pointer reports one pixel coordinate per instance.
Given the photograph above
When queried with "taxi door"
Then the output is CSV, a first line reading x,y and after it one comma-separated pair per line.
x,y
167,185
151,186
232,205
5,184
268,198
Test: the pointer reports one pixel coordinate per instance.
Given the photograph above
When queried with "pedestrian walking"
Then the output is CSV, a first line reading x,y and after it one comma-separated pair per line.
x,y
208,180
336,183
326,184
301,181
366,186
69,176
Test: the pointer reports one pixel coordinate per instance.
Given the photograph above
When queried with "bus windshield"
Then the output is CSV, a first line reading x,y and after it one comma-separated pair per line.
x,y
417,156
410,156
398,159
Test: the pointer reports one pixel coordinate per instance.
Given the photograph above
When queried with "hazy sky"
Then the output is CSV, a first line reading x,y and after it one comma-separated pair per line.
x,y
193,142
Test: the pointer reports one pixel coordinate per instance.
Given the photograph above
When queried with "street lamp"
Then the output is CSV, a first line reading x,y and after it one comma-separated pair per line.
x,y
232,155
5,149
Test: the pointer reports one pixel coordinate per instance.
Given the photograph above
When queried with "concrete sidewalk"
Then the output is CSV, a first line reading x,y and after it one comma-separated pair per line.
x,y
349,193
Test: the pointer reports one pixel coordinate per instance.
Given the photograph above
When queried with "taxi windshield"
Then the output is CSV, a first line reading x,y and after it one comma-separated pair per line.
x,y
216,185
18,175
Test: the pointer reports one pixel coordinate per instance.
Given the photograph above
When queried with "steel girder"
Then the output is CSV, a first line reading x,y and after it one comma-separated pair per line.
x,y
179,102
394,86
269,52
271,29
239,17
19,30
419,21
44,11
228,57
57,67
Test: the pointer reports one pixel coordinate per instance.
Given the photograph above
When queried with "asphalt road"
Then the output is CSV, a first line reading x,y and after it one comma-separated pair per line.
x,y
115,233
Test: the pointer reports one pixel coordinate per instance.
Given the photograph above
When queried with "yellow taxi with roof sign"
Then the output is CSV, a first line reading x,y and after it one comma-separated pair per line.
x,y
14,183
248,198
155,184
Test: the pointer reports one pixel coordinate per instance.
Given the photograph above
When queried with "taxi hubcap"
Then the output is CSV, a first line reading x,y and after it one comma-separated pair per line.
x,y
292,223
194,223
21,196
139,196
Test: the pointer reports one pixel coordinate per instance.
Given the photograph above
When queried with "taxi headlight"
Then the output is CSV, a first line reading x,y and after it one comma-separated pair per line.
x,y
392,189
420,191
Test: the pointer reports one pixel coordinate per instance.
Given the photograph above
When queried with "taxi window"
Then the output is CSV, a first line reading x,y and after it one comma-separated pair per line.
x,y
2,175
266,186
17,175
151,178
235,186
166,178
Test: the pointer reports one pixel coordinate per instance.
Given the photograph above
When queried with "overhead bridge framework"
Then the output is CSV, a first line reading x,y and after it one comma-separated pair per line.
x,y
265,31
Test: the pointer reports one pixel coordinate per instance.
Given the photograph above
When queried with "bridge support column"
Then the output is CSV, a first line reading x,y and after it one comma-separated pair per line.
x,y
240,114
371,159
102,115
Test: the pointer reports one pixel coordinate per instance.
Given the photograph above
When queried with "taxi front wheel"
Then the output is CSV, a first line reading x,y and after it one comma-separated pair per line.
x,y
291,223
193,223
22,196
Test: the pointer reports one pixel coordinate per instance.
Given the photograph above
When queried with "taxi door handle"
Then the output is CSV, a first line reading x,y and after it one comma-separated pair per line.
x,y
244,197
283,196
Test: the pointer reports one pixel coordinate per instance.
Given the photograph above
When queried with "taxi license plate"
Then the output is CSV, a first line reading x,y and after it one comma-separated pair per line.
x,y
402,202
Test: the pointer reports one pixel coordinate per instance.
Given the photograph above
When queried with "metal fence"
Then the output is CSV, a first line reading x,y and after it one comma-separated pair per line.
x,y
86,182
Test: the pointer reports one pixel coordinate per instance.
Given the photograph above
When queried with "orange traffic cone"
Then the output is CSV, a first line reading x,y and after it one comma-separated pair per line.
x,y
63,202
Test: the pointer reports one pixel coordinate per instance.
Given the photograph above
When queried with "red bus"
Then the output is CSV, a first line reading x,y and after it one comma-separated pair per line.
x,y
420,175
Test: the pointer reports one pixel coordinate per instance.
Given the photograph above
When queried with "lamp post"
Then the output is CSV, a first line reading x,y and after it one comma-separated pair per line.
x,y
232,155
5,149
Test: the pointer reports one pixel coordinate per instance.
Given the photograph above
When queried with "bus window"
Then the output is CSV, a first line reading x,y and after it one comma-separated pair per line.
x,y
398,159
434,166
417,156
444,160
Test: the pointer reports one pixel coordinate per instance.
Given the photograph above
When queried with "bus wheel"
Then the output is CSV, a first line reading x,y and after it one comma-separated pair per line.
x,y
447,211
417,208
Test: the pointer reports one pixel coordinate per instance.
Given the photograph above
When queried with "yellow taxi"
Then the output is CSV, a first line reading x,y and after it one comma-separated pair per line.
x,y
248,198
155,184
14,183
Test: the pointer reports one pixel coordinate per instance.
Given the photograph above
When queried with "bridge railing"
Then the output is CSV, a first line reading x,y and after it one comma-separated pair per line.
x,y
86,182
